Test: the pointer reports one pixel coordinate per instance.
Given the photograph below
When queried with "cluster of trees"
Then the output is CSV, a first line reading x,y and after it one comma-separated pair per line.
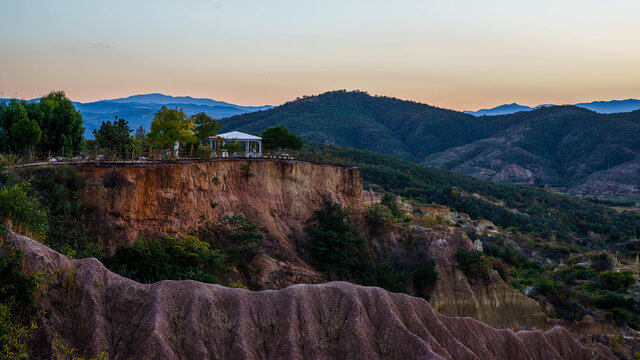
x,y
338,249
52,124
171,126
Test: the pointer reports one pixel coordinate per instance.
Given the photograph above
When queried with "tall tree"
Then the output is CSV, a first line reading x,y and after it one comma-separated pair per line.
x,y
60,122
116,136
205,126
279,137
170,126
25,134
17,132
10,114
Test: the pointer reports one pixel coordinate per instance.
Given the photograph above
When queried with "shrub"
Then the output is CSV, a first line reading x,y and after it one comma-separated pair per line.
x,y
424,276
70,230
545,285
617,281
473,264
169,258
502,268
335,244
18,303
22,210
243,238
378,215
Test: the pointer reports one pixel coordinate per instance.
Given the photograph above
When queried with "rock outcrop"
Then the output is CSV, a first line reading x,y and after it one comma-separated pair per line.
x,y
280,196
90,308
493,302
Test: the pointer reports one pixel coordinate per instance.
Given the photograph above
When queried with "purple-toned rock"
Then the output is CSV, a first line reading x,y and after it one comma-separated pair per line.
x,y
90,308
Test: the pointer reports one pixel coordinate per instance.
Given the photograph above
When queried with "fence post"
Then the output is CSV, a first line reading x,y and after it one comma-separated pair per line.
x,y
49,157
191,152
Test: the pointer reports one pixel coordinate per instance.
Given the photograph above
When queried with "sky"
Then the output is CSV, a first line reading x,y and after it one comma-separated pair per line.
x,y
457,54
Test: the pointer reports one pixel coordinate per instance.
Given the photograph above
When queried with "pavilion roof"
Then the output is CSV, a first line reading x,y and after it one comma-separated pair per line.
x,y
236,135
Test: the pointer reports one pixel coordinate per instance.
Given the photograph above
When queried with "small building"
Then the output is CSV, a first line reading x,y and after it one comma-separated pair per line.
x,y
251,144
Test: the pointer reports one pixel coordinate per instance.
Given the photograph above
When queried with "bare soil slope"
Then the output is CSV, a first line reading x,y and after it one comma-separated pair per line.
x,y
89,308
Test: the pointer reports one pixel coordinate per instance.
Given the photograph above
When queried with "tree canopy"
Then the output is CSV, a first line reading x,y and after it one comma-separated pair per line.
x,y
170,126
116,136
279,137
17,131
60,122
205,126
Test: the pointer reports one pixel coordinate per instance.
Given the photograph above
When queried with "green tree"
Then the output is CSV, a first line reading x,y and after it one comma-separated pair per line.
x,y
25,134
205,126
22,210
336,246
617,281
17,131
170,126
60,122
473,263
279,138
116,136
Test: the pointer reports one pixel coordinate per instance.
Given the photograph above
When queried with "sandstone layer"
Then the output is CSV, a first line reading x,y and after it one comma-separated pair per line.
x,y
280,196
90,308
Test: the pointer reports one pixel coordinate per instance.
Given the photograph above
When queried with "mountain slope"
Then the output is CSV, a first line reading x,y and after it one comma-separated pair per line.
x,y
139,110
556,145
500,110
188,319
602,107
560,145
387,125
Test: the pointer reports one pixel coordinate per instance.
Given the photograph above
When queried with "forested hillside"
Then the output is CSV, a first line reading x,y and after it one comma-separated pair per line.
x,y
387,125
528,208
561,146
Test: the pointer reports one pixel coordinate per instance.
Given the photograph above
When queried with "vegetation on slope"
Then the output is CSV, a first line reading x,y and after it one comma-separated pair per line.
x,y
529,209
559,145
354,118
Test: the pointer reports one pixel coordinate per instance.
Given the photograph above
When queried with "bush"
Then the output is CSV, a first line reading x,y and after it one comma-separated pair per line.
x,y
336,246
617,281
18,303
379,215
169,258
502,268
545,285
424,276
243,238
13,336
70,230
23,211
473,264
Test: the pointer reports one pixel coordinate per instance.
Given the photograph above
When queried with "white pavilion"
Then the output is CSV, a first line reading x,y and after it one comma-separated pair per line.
x,y
252,144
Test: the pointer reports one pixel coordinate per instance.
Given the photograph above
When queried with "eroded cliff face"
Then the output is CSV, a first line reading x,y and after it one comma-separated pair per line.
x,y
494,302
92,309
280,196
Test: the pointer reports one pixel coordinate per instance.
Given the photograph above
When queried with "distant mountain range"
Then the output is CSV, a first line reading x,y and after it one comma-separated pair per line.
x,y
602,107
568,147
138,110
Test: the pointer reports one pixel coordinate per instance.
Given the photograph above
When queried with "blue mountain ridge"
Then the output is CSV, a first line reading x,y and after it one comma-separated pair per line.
x,y
602,107
139,110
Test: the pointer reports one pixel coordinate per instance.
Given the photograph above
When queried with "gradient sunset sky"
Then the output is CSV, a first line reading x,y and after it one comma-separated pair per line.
x,y
463,55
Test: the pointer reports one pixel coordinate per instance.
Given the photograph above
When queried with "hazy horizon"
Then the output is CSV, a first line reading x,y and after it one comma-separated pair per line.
x,y
461,55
